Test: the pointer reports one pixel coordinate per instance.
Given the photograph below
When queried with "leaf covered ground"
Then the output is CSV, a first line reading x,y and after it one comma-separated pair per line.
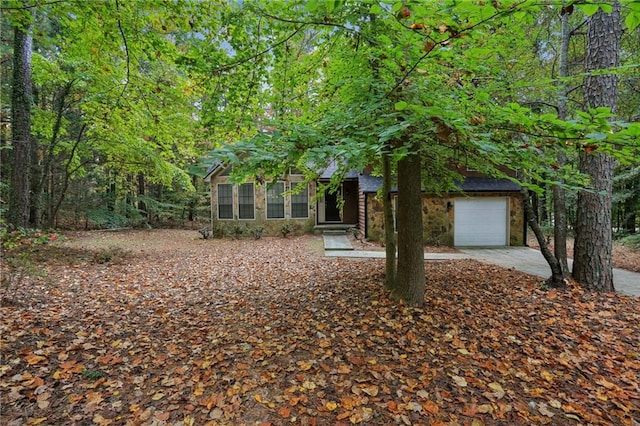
x,y
160,327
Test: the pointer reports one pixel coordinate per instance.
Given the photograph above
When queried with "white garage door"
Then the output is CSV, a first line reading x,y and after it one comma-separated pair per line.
x,y
481,221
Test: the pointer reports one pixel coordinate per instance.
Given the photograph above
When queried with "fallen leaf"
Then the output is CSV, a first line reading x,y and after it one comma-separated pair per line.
x,y
331,405
101,420
460,381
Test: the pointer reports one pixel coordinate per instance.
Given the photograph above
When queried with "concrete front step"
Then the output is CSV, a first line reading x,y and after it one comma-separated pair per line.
x,y
336,242
334,232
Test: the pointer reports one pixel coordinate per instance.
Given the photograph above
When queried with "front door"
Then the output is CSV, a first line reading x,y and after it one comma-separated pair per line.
x,y
331,210
328,210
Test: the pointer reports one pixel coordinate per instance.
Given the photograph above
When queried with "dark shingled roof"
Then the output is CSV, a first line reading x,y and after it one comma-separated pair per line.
x,y
331,170
369,183
484,184
212,168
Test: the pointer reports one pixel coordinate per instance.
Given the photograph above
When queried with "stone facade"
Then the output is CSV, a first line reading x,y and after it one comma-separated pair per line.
x,y
270,227
438,218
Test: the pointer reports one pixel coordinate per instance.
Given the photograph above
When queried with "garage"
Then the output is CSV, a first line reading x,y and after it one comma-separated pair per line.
x,y
481,221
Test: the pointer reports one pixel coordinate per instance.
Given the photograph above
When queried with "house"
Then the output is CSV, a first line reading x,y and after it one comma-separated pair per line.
x,y
485,212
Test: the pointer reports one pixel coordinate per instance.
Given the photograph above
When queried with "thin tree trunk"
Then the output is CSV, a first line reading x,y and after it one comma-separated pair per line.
x,y
593,245
630,213
67,177
557,276
410,276
559,196
19,203
142,207
389,231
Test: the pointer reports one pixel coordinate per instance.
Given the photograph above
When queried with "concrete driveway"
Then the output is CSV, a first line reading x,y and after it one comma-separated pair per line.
x,y
532,262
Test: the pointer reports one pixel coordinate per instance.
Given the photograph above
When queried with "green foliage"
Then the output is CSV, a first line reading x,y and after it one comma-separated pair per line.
x,y
631,241
131,89
110,219
21,239
92,374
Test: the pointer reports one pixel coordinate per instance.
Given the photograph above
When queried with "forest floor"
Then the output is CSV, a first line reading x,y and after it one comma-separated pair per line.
x,y
161,327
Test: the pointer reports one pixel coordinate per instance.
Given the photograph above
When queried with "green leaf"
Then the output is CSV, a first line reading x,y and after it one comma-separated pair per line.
x,y
606,7
311,5
375,9
632,21
401,106
590,9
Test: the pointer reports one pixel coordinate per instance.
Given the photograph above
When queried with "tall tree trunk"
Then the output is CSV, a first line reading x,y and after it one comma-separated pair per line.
x,y
389,231
19,203
593,245
559,196
409,285
35,182
43,192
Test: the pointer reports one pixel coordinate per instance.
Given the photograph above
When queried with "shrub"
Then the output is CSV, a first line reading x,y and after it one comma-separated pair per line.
x,y
632,240
286,229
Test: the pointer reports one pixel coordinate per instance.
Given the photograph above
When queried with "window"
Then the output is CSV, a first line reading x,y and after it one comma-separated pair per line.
x,y
246,201
225,201
275,201
299,201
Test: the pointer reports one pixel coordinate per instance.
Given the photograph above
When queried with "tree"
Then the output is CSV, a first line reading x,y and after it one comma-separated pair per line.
x,y
109,101
21,99
593,244
559,192
409,283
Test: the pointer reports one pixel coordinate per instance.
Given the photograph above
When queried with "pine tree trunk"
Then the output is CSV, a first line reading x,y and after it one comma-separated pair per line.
x,y
389,231
410,277
19,203
593,245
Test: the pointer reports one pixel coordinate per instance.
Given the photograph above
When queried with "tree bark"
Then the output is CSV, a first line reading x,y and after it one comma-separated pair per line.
x,y
593,245
559,196
410,278
142,206
19,203
389,231
557,275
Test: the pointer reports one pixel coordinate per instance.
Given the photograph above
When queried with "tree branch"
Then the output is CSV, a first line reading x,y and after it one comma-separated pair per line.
x,y
254,56
402,79
126,50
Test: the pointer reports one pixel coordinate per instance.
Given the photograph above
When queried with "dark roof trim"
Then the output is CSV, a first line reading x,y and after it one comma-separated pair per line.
x,y
484,184
213,169
370,184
